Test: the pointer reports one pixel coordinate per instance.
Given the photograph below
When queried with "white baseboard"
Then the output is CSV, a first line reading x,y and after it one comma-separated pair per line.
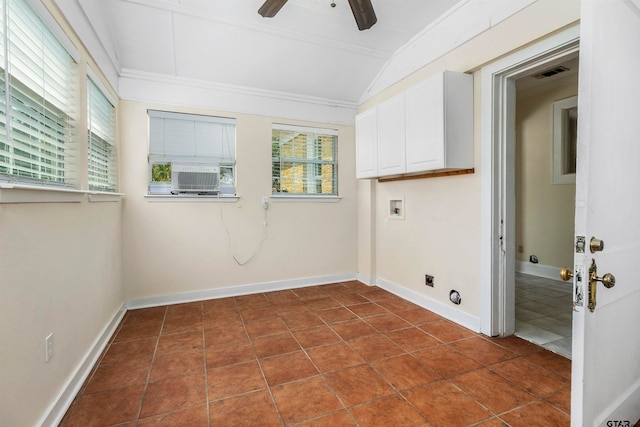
x,y
61,404
233,291
540,270
54,413
450,313
371,281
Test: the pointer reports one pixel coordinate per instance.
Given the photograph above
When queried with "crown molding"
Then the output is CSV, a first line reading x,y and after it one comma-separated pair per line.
x,y
144,86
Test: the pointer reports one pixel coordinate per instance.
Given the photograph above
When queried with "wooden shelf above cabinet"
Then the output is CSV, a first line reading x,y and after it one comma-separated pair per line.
x,y
434,174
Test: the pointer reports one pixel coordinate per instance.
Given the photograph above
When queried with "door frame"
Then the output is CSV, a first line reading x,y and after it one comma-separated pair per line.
x,y
497,251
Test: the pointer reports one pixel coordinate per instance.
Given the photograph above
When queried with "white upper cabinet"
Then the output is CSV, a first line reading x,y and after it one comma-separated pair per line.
x,y
391,136
428,127
367,144
439,123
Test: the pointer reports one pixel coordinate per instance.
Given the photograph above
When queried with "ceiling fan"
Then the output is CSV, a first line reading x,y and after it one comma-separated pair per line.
x,y
362,11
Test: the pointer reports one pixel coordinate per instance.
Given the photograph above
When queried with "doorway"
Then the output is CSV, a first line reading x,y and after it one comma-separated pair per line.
x,y
498,155
544,189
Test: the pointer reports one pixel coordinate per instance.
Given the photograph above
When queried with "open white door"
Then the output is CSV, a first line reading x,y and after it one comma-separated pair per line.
x,y
606,341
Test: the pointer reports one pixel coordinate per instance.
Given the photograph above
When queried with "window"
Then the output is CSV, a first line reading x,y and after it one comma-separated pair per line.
x,y
191,154
565,140
304,161
103,160
38,89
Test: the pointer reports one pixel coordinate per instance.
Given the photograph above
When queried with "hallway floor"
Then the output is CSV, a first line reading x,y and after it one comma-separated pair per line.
x,y
343,354
544,312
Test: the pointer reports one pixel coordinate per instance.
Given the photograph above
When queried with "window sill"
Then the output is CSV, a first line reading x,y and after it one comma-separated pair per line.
x,y
278,198
187,198
104,196
17,193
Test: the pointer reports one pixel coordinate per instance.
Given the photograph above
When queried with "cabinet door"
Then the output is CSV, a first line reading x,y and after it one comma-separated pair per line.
x,y
391,144
366,144
425,125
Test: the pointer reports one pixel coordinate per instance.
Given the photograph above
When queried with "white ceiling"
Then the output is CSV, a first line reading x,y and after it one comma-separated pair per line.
x,y
309,48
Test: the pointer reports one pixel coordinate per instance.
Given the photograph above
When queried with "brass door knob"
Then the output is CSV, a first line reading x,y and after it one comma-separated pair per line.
x,y
566,274
608,280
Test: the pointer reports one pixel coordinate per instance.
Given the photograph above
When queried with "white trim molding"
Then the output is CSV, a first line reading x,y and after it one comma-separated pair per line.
x,y
539,270
237,290
367,280
55,412
497,247
19,193
149,87
448,312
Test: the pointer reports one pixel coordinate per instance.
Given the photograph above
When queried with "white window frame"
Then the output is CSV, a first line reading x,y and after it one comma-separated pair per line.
x,y
15,188
561,141
102,137
191,148
281,196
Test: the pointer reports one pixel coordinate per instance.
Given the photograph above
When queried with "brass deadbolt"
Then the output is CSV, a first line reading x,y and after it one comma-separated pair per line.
x,y
596,245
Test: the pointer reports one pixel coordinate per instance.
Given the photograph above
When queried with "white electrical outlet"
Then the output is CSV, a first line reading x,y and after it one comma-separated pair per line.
x,y
48,347
265,202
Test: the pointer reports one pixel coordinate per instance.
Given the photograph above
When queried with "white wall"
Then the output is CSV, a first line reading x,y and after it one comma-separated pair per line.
x,y
441,233
544,211
60,267
63,266
60,273
180,247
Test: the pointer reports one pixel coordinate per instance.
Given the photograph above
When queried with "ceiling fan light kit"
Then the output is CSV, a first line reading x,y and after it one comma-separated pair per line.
x,y
362,10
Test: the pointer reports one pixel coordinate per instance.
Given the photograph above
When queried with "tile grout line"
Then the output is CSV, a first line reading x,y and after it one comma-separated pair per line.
x,y
325,323
365,362
264,377
322,374
153,358
206,372
81,392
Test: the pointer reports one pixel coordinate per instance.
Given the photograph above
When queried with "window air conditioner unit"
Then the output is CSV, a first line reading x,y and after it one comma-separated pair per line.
x,y
198,179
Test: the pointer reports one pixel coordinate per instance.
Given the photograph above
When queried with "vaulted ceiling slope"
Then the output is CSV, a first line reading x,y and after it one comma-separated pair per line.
x,y
309,49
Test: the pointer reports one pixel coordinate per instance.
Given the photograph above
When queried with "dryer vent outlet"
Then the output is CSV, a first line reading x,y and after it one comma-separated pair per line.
x,y
454,297
428,280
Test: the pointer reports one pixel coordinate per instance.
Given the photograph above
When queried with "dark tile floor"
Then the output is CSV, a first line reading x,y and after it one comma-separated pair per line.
x,y
343,354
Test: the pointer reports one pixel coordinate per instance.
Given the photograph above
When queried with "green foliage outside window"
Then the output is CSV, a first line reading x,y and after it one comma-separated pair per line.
x,y
161,172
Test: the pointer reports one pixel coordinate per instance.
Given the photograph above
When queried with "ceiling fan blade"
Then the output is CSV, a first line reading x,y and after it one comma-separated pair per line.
x,y
364,14
271,7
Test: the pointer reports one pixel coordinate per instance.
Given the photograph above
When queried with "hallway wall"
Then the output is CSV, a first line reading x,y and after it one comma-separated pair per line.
x,y
544,211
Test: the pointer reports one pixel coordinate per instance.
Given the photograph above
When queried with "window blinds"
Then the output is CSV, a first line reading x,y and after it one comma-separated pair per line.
x,y
103,161
38,100
188,138
304,160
